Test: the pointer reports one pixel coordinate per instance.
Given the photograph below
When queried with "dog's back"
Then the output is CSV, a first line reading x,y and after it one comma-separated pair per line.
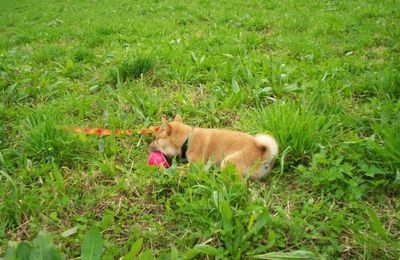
x,y
251,155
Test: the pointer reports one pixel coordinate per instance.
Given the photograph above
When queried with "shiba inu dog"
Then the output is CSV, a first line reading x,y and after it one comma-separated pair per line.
x,y
253,156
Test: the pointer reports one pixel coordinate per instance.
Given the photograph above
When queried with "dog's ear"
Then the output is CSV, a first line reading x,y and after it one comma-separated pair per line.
x,y
178,118
166,125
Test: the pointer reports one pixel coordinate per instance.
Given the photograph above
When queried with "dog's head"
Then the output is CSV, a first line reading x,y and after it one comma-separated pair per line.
x,y
170,137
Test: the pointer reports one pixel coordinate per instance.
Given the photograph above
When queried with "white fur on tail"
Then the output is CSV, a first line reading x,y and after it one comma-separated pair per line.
x,y
270,145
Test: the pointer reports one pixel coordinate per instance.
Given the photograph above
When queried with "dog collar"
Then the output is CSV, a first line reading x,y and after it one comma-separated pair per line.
x,y
185,146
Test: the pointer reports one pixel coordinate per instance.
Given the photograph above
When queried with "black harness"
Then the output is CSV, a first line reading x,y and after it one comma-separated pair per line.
x,y
184,150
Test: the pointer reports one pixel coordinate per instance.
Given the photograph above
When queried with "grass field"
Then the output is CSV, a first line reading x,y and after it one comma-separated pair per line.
x,y
321,76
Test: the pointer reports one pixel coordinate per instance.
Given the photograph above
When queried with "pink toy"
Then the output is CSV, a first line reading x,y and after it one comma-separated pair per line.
x,y
157,158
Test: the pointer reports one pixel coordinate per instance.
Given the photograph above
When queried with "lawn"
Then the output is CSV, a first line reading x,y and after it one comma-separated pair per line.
x,y
321,76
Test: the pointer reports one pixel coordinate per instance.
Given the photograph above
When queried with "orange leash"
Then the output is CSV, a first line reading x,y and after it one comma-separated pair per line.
x,y
99,131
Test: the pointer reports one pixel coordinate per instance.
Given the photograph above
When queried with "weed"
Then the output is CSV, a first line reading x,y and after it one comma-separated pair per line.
x,y
132,69
50,53
11,212
83,55
294,126
46,141
390,136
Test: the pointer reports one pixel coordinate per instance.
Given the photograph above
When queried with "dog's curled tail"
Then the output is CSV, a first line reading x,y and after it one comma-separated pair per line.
x,y
267,143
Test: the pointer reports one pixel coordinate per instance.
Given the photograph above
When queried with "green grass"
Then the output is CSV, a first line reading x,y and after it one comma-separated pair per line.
x,y
321,76
134,69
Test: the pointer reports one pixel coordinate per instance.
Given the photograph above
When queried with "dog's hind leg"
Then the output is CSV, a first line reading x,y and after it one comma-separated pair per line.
x,y
238,159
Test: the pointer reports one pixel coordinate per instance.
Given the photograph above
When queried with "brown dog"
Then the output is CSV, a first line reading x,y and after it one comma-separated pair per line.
x,y
253,156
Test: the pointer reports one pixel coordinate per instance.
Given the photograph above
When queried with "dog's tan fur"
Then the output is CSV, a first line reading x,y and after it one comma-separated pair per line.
x,y
252,156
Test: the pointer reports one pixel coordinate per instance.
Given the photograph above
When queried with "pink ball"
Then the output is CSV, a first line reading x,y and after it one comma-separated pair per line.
x,y
157,158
